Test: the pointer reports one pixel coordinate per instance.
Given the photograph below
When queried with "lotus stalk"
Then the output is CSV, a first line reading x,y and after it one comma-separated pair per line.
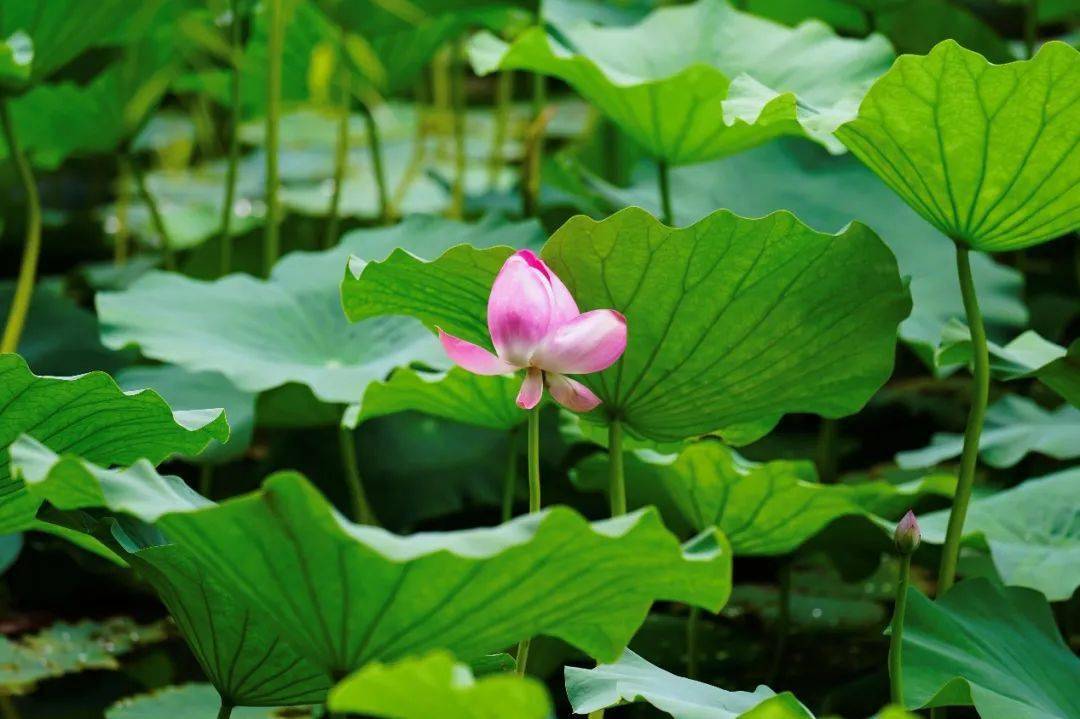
x,y
907,538
341,149
156,218
24,286
225,258
274,50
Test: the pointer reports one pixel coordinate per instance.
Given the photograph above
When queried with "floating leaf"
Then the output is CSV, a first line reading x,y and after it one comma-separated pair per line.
x,y
189,700
733,321
1029,355
993,647
469,592
770,508
827,192
1014,427
195,390
264,334
436,685
456,395
632,679
90,415
989,154
1031,531
67,648
704,80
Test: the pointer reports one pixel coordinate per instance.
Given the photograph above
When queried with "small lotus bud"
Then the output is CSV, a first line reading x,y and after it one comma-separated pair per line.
x,y
907,534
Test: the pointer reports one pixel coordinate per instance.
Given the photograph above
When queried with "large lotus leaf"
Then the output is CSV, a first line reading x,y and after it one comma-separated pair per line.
x,y
769,508
632,679
457,395
1014,427
181,702
240,650
997,648
990,154
733,321
56,121
1032,532
54,33
704,80
61,338
827,192
435,685
90,415
65,648
470,592
264,334
1029,355
195,390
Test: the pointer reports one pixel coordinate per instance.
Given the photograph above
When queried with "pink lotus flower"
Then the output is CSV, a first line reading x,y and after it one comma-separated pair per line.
x,y
535,325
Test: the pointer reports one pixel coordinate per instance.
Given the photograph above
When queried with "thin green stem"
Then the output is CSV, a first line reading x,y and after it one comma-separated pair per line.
x,y
361,508
122,240
274,48
896,680
377,166
692,651
616,479
457,208
504,90
226,249
24,286
827,451
510,476
783,620
1031,27
980,392
225,711
539,93
341,156
206,479
8,710
156,218
664,180
534,506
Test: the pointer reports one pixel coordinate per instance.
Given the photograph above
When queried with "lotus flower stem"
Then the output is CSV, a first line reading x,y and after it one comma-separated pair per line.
x,y
616,479
341,152
225,711
361,509
377,166
457,92
664,180
504,90
896,638
225,258
156,218
980,392
534,506
510,478
275,42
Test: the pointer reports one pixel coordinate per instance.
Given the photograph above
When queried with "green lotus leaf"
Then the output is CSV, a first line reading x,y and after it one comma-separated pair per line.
x,y
264,334
989,154
90,415
65,648
61,338
56,121
733,321
194,390
827,192
436,685
240,650
470,592
1030,530
769,508
47,36
1014,427
632,679
704,80
456,395
194,700
1028,355
996,648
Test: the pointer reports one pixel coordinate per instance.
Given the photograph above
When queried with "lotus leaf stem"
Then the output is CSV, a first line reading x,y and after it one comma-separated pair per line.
x,y
377,165
341,153
274,51
504,90
225,711
361,508
457,91
663,177
616,478
156,218
225,258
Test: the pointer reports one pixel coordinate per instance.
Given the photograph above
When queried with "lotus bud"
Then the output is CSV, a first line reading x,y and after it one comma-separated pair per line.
x,y
907,534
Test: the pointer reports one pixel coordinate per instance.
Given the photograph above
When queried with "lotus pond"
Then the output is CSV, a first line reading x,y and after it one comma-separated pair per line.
x,y
519,359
